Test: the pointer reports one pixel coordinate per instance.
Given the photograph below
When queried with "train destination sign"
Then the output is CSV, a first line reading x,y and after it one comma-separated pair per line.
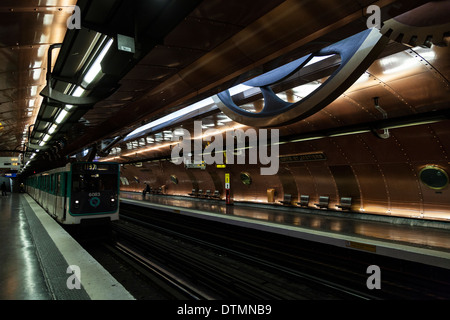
x,y
303,157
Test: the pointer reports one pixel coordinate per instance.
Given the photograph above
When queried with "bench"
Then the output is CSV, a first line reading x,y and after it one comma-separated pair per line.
x,y
287,199
323,202
200,193
193,193
208,194
304,200
216,195
346,203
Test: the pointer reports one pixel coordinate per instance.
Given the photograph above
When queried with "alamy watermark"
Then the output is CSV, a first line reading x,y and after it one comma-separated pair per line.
x,y
374,20
235,145
74,21
374,281
74,281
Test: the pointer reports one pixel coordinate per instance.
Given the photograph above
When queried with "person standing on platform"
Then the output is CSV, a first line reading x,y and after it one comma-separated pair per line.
x,y
146,190
3,187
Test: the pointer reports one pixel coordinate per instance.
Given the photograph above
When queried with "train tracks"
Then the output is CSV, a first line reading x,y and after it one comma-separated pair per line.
x,y
172,284
213,271
184,258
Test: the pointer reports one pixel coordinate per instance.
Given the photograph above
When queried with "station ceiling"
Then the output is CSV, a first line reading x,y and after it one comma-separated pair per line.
x,y
184,52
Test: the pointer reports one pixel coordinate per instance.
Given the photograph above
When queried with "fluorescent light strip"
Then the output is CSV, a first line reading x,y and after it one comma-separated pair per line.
x,y
172,116
61,117
198,105
77,93
96,67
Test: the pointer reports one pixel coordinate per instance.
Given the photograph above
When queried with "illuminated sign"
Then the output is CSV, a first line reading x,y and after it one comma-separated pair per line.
x,y
10,163
189,165
303,157
90,166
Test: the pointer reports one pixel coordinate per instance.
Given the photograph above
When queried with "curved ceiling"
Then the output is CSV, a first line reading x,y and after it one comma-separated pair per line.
x,y
209,47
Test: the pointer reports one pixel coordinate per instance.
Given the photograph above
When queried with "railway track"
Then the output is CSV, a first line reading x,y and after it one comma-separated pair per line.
x,y
218,272
173,285
338,273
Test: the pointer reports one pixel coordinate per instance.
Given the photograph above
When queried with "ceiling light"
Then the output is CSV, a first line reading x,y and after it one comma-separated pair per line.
x,y
96,67
52,129
172,116
37,74
62,115
77,93
33,91
46,138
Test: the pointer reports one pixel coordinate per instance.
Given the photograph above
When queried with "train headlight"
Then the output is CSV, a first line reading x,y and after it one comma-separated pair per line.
x,y
112,202
77,204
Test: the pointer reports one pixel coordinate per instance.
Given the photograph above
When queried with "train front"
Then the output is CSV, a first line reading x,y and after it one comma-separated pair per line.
x,y
94,192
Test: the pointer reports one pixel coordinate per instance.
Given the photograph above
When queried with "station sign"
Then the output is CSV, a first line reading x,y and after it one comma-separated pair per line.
x,y
10,163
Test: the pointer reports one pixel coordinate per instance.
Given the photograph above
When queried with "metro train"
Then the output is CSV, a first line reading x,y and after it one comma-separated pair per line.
x,y
78,193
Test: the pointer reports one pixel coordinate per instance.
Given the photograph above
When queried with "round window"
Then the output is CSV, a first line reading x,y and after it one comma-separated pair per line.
x,y
245,178
434,177
174,179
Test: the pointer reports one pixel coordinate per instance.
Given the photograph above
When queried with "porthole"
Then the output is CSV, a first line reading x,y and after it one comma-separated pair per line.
x,y
434,177
174,179
245,178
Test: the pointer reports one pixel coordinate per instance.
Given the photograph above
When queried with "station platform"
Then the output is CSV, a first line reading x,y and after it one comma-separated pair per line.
x,y
422,241
36,253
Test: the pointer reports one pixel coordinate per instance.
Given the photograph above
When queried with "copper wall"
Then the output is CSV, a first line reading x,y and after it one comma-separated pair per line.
x,y
381,175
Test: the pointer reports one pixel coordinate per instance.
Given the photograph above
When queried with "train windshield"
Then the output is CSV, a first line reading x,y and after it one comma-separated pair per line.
x,y
94,182
92,177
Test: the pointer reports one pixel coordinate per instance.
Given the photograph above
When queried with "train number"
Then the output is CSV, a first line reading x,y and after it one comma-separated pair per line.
x,y
94,194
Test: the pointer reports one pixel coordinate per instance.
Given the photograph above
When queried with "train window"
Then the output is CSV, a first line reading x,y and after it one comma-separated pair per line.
x,y
58,184
434,177
89,182
245,178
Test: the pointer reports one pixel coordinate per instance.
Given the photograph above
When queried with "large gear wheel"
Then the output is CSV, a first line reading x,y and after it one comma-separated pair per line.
x,y
423,26
357,54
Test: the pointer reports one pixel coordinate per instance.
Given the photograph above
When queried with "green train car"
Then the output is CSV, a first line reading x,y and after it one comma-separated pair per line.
x,y
78,192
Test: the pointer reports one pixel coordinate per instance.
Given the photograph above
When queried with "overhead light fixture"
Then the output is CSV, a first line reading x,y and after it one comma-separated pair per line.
x,y
61,117
33,91
52,129
193,107
172,116
96,67
78,92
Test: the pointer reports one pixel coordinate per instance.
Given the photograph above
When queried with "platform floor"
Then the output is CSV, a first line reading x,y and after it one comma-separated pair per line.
x,y
417,240
35,255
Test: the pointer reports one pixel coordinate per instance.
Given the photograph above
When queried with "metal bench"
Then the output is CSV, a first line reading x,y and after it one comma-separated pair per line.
x,y
346,203
216,195
323,202
287,199
304,200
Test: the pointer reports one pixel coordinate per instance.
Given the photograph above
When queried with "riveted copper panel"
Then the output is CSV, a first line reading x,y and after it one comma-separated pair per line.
x,y
27,28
